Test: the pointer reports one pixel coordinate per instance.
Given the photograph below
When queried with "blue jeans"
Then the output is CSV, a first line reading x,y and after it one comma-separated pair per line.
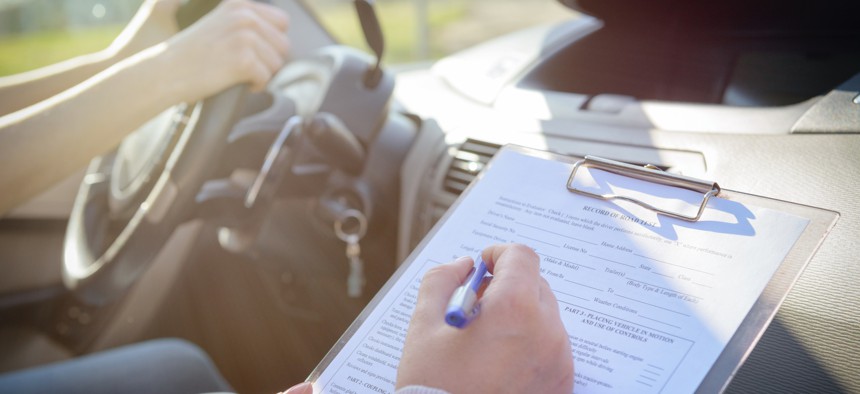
x,y
158,366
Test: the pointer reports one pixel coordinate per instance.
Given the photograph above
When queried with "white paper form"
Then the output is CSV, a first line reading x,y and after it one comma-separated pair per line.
x,y
649,302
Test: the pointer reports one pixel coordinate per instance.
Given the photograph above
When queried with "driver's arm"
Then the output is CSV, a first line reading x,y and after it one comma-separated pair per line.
x,y
239,41
154,22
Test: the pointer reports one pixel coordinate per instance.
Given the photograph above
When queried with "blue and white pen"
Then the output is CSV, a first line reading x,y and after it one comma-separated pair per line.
x,y
464,306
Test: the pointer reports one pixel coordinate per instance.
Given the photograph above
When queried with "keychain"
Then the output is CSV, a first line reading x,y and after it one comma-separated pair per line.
x,y
355,280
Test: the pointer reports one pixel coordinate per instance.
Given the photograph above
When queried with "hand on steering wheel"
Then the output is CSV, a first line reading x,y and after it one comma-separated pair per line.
x,y
239,41
145,189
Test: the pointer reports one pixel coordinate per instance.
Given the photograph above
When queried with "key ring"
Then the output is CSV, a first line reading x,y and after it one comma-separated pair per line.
x,y
347,215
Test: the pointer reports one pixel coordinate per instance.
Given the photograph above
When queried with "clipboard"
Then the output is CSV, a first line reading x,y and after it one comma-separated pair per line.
x,y
753,324
765,308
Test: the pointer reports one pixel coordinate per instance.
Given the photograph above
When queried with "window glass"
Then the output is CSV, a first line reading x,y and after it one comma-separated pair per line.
x,y
417,30
36,33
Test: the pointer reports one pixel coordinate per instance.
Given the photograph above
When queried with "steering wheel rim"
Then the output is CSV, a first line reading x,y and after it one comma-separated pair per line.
x,y
334,74
98,274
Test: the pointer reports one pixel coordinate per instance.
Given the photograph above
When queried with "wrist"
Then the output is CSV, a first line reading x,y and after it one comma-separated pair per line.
x,y
153,74
174,73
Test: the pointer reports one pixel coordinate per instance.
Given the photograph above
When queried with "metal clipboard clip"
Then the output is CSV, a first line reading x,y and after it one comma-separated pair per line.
x,y
647,173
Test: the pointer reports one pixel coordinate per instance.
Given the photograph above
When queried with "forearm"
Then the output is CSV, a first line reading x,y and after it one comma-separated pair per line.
x,y
238,42
48,141
153,23
23,90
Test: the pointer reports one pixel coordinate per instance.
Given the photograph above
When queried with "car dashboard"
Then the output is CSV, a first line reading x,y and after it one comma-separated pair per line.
x,y
806,152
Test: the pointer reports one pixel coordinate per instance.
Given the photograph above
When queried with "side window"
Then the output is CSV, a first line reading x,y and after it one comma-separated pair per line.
x,y
36,33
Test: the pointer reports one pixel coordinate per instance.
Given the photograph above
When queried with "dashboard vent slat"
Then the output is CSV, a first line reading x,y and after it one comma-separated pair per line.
x,y
467,162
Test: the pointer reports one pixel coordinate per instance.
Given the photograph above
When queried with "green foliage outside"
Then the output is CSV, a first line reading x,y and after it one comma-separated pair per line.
x,y
451,25
398,17
399,25
26,52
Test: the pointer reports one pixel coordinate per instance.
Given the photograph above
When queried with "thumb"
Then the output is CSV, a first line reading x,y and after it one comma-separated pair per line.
x,y
439,284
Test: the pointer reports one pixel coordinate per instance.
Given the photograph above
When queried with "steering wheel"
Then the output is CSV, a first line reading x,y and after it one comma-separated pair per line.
x,y
131,200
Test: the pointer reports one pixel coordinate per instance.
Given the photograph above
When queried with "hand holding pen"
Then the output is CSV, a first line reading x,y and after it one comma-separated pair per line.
x,y
516,344
464,305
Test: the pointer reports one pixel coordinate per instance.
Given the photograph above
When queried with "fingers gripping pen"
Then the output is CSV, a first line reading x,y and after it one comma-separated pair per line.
x,y
464,306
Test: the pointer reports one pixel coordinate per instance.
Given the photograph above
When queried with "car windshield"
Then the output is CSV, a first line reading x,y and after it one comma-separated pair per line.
x,y
35,33
421,30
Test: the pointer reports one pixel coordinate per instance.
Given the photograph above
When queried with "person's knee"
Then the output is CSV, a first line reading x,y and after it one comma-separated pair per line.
x,y
175,348
182,358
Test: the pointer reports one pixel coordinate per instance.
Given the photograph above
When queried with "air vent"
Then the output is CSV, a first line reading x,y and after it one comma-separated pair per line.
x,y
435,199
468,161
